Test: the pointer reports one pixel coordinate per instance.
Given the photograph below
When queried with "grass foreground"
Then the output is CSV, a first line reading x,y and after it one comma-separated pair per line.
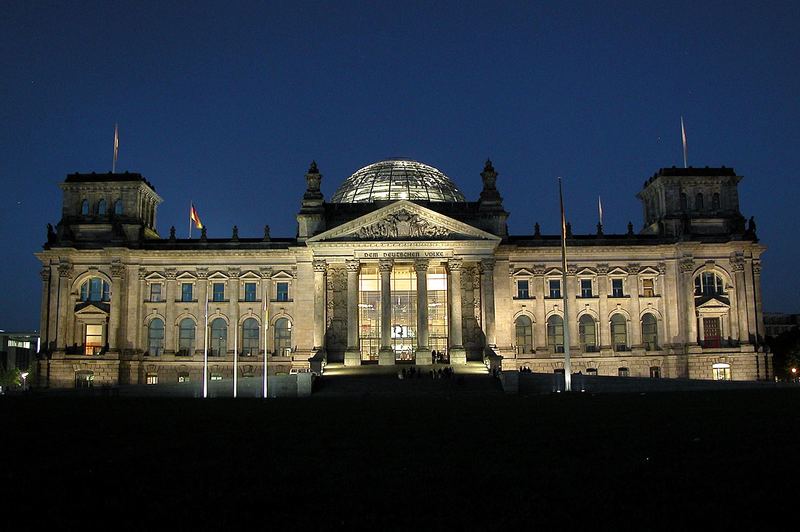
x,y
577,461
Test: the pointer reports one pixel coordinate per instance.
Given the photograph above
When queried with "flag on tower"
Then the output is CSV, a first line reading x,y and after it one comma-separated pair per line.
x,y
683,138
195,218
116,149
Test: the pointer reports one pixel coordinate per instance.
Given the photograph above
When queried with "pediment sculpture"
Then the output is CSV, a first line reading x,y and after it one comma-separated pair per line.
x,y
402,224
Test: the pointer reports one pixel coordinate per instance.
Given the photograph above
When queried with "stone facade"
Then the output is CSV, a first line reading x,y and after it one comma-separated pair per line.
x,y
120,304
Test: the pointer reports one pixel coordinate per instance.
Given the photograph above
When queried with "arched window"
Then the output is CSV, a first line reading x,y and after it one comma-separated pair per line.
x,y
698,201
85,207
155,337
587,331
555,333
708,284
118,207
650,332
684,202
250,337
219,337
186,331
715,201
95,289
101,207
283,337
619,332
524,334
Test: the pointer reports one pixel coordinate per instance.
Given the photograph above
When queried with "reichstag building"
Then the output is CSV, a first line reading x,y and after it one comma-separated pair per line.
x,y
398,267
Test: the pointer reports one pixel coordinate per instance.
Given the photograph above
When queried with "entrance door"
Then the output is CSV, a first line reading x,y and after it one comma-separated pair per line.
x,y
711,331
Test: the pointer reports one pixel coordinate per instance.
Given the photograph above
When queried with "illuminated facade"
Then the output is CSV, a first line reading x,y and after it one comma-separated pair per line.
x,y
397,268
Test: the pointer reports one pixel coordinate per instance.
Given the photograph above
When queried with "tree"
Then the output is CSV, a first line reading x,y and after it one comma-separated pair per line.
x,y
10,378
786,353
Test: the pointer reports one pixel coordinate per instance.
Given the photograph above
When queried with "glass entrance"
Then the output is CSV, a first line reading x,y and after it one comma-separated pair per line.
x,y
369,312
404,312
711,332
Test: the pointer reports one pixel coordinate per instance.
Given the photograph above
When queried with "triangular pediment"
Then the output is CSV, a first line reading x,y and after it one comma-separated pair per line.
x,y
647,270
522,272
186,276
92,308
250,276
403,220
713,302
154,276
282,275
617,271
218,276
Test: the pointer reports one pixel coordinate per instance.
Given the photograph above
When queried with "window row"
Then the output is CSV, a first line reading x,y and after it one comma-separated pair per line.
x,y
700,202
101,208
249,332
587,333
647,288
250,292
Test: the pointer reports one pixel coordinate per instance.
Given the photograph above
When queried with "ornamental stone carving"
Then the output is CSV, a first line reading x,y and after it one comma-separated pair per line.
x,y
117,269
45,273
65,270
320,265
266,273
572,269
353,265
402,224
233,273
687,265
385,265
737,263
756,267
633,268
170,273
202,273
487,265
602,269
662,268
454,265
539,269
421,265
142,273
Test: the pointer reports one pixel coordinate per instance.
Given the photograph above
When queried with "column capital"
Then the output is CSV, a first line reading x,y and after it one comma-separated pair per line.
x,y
662,268
45,273
572,269
539,269
687,265
202,273
266,273
633,268
353,265
487,265
602,269
421,265
233,273
756,266
117,270
65,270
454,265
320,265
385,265
170,273
142,273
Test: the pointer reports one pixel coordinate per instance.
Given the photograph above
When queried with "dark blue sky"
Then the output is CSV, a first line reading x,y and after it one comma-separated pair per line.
x,y
227,103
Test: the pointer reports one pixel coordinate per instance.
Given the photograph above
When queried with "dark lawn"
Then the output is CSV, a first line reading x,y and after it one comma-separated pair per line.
x,y
638,461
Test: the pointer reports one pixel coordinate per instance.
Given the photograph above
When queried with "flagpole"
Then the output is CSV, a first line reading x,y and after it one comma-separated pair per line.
x,y
116,150
191,206
205,352
266,322
235,357
565,323
685,147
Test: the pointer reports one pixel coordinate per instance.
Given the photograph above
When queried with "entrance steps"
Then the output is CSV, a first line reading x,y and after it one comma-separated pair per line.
x,y
372,380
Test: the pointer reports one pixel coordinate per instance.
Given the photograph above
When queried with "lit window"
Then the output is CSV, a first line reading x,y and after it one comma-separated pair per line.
x,y
183,376
118,207
155,292
19,343
155,337
95,289
85,207
186,291
84,379
216,376
623,372
586,288
721,372
648,288
283,337
555,288
591,371
93,341
616,288
101,207
250,291
152,378
282,291
522,289
218,292
655,372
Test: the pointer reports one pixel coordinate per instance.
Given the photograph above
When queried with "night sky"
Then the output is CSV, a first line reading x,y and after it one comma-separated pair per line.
x,y
226,104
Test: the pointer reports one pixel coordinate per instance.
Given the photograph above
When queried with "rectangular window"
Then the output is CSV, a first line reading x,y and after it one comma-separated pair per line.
x,y
183,377
648,288
152,378
19,343
555,288
282,292
216,377
586,288
218,291
250,291
186,291
94,339
623,372
616,288
522,289
155,292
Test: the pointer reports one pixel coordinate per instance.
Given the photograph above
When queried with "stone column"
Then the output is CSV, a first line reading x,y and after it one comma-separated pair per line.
x,y
457,353
759,317
137,329
539,310
320,266
55,290
633,291
603,327
117,290
352,356
266,288
202,335
687,269
170,344
233,306
741,299
386,353
572,320
661,290
44,325
487,298
423,348
64,311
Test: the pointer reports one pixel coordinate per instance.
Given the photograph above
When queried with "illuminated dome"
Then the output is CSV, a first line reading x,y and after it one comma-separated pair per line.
x,y
397,179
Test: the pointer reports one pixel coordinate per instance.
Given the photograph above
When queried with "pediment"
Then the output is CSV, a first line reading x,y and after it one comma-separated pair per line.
x,y
92,308
522,272
282,275
186,276
217,276
713,303
250,276
154,276
553,271
586,272
647,270
403,220
617,271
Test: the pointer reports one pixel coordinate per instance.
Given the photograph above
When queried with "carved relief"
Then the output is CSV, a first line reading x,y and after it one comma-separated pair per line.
x,y
402,224
687,265
602,269
336,309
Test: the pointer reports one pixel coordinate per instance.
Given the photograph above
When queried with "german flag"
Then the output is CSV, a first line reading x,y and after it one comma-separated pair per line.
x,y
194,217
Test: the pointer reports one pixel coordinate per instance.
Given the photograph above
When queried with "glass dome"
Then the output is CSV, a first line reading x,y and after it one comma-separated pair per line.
x,y
397,179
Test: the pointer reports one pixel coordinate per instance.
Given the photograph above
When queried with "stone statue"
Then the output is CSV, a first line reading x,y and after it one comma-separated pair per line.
x,y
172,233
266,234
537,230
235,235
751,226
